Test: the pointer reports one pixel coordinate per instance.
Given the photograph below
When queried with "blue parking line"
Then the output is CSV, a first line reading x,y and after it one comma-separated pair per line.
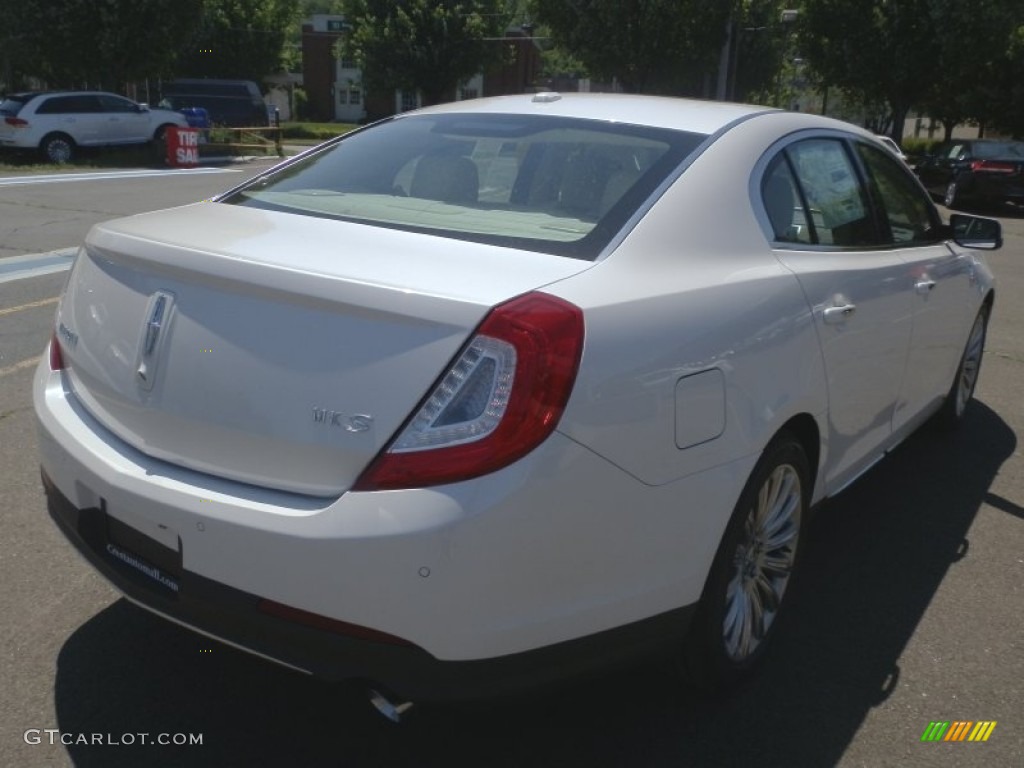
x,y
36,264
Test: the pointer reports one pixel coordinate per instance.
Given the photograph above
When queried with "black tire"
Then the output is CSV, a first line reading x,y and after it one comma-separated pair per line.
x,y
744,597
160,134
951,414
158,146
58,148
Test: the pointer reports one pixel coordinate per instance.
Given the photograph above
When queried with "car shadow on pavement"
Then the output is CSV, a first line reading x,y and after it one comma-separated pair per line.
x,y
878,554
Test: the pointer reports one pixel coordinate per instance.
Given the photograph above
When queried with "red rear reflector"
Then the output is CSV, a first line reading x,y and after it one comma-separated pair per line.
x,y
17,122
315,620
993,166
56,358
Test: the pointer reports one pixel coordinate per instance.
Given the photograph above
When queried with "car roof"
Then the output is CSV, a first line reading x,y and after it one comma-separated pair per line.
x,y
694,115
26,95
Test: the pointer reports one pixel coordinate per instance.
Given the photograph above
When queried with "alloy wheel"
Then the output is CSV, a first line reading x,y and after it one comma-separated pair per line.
x,y
971,365
762,563
58,150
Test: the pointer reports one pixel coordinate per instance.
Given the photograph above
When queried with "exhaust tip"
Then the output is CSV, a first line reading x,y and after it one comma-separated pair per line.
x,y
391,710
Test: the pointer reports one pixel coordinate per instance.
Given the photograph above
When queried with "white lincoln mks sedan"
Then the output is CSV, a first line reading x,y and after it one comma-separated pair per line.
x,y
501,390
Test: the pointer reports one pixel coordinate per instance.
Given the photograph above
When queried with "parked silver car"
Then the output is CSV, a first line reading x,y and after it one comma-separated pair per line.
x,y
59,122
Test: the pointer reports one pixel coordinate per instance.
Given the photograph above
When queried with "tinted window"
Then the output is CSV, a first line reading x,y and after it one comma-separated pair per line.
x,y
222,109
905,207
838,206
11,106
558,185
110,103
782,203
63,105
1001,149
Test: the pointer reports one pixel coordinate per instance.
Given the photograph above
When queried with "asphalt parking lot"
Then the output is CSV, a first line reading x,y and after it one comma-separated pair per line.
x,y
909,611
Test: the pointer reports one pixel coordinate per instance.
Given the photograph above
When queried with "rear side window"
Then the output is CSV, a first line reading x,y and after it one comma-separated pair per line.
x,y
110,103
64,105
782,202
558,185
846,193
839,208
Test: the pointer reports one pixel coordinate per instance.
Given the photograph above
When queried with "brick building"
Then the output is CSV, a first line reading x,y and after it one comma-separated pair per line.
x,y
334,88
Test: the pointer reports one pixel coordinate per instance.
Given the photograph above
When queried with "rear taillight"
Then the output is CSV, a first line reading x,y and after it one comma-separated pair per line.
x,y
501,398
993,166
17,122
56,358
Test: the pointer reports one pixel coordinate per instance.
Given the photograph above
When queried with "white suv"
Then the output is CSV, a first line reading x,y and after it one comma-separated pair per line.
x,y
58,122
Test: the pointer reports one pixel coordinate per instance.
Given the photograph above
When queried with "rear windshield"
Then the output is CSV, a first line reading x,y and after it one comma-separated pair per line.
x,y
557,185
1005,149
11,106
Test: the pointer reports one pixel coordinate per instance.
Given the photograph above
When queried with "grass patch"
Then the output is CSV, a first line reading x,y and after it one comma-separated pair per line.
x,y
14,161
315,132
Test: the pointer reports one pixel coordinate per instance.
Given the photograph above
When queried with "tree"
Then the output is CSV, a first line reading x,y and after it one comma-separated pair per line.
x,y
659,46
73,43
762,69
874,49
975,51
425,45
1006,108
239,39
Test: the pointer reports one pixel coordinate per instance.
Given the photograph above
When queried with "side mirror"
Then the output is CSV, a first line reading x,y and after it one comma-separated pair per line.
x,y
976,232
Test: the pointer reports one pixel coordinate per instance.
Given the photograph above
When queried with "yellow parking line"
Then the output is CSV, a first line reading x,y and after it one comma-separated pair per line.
x,y
18,366
30,305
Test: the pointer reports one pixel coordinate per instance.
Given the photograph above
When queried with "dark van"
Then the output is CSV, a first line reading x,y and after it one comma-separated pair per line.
x,y
236,103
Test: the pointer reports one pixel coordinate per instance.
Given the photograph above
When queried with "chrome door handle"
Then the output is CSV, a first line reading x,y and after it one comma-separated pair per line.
x,y
838,314
924,287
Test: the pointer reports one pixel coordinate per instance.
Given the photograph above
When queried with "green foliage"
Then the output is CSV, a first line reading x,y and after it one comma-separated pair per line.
x,y
658,46
918,146
238,39
310,7
1007,110
767,66
429,45
556,61
877,50
973,47
301,100
953,59
107,43
314,131
73,43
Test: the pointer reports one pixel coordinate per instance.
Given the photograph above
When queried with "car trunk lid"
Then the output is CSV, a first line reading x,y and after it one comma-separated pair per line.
x,y
269,348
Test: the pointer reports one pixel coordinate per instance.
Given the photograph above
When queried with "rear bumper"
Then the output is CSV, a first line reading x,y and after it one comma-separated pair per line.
x,y
555,564
234,617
